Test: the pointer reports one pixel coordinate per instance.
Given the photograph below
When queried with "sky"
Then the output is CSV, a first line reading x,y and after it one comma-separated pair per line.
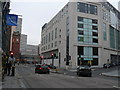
x,y
36,13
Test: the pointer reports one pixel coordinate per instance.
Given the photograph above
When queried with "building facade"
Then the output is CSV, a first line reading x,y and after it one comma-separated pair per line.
x,y
28,52
23,44
6,30
82,33
16,44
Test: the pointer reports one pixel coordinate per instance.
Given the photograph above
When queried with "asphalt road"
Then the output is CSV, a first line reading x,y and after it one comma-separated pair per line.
x,y
29,79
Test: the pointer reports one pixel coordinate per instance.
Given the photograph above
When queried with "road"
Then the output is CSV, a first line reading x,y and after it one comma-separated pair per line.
x,y
29,79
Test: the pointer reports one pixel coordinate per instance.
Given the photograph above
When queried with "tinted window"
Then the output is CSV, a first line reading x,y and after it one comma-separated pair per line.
x,y
94,27
95,40
94,33
80,25
94,21
80,32
95,51
80,19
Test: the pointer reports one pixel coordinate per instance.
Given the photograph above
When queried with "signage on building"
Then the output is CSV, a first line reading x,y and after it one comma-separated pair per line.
x,y
11,19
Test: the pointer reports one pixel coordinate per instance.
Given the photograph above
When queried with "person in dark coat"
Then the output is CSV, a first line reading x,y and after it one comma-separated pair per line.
x,y
9,65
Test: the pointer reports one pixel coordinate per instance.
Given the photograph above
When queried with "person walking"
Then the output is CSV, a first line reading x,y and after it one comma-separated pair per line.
x,y
9,65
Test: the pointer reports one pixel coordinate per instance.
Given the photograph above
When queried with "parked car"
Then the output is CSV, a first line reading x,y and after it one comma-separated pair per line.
x,y
84,70
42,69
106,65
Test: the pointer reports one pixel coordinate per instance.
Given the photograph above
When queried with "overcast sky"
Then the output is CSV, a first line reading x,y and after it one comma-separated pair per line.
x,y
36,13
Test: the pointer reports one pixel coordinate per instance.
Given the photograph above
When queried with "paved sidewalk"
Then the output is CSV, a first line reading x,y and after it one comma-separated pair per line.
x,y
114,73
11,82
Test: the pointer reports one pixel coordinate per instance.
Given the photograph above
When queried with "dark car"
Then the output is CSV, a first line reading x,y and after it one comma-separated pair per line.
x,y
42,69
84,70
106,65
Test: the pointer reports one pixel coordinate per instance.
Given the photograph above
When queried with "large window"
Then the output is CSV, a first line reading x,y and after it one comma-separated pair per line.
x,y
55,33
95,51
80,19
86,8
94,21
52,34
104,31
95,40
80,51
87,54
80,39
95,27
49,37
80,25
80,32
95,33
87,30
112,37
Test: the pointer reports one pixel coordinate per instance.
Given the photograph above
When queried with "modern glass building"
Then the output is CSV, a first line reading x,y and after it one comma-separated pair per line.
x,y
81,33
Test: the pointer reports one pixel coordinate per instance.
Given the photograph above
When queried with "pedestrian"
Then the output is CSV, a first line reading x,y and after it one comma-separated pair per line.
x,y
9,65
89,65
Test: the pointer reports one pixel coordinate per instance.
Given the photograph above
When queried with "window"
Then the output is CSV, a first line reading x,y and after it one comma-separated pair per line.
x,y
80,19
93,9
80,25
80,32
86,8
17,39
46,38
49,37
60,30
80,39
94,21
59,42
48,46
95,40
52,34
95,61
51,45
94,27
95,51
80,51
59,36
95,33
55,43
81,7
55,33
104,31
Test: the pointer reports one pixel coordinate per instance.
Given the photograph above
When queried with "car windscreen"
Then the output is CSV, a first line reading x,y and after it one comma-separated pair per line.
x,y
44,66
84,67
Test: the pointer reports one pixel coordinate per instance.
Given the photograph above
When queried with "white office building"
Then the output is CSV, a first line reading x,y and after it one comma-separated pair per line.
x,y
81,33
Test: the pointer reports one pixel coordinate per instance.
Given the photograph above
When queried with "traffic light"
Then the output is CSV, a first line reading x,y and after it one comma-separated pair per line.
x,y
41,57
52,55
11,54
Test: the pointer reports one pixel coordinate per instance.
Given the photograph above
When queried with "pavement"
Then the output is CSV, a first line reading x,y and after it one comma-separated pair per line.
x,y
114,73
14,81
